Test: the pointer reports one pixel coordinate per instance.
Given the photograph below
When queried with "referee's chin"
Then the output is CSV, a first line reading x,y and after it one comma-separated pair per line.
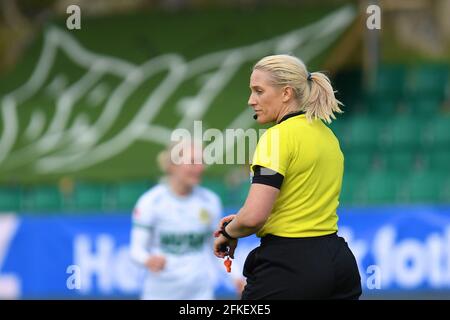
x,y
262,120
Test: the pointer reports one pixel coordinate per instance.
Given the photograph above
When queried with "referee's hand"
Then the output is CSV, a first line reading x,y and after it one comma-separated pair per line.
x,y
221,242
224,219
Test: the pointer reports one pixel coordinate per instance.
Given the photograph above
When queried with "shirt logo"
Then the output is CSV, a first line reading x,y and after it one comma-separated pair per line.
x,y
183,243
204,216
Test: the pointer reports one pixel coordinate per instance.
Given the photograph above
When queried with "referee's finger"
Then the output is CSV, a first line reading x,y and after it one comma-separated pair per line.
x,y
231,251
226,219
217,250
218,253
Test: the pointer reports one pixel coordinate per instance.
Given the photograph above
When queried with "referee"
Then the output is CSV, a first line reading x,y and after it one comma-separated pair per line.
x,y
297,173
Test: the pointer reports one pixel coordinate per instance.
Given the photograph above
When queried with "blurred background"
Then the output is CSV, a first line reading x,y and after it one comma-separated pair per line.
x,y
84,113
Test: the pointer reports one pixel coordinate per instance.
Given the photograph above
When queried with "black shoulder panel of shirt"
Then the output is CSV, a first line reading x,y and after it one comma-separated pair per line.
x,y
263,175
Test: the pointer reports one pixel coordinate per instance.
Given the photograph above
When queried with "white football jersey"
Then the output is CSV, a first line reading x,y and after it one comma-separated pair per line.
x,y
180,229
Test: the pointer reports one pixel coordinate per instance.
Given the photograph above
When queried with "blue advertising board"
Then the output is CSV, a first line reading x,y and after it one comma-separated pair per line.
x,y
397,249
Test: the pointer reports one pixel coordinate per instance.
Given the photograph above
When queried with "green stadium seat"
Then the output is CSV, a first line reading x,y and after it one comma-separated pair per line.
x,y
339,127
10,199
362,134
423,187
127,194
350,185
437,160
428,80
237,194
436,135
244,188
401,133
444,194
88,196
390,81
382,106
44,198
218,186
380,187
398,160
358,161
424,106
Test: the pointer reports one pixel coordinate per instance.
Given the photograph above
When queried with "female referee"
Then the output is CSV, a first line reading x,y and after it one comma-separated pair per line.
x,y
297,173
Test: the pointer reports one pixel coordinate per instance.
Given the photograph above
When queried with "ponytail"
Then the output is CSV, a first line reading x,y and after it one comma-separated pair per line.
x,y
313,91
321,102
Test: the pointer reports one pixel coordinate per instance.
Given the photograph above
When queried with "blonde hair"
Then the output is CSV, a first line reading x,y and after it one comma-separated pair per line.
x,y
163,159
313,91
168,157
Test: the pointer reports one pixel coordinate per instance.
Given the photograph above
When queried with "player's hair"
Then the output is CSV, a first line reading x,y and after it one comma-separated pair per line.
x,y
163,160
168,157
313,91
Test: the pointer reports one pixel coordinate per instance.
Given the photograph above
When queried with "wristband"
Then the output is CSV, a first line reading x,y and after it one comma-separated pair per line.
x,y
225,233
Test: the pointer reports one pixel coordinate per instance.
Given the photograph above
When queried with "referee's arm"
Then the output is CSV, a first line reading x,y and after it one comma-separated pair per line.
x,y
258,205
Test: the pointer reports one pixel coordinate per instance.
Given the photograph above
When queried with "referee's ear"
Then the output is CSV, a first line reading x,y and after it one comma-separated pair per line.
x,y
287,93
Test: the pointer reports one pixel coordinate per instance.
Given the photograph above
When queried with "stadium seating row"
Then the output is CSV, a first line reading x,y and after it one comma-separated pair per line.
x,y
399,160
402,132
371,187
378,105
420,90
400,80
82,197
387,187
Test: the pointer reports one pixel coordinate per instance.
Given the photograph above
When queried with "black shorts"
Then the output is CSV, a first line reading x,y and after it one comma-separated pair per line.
x,y
301,268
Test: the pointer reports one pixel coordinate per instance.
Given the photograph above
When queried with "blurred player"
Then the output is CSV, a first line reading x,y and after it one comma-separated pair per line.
x,y
172,232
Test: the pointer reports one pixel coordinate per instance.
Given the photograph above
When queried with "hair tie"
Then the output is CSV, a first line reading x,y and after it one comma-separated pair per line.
x,y
309,77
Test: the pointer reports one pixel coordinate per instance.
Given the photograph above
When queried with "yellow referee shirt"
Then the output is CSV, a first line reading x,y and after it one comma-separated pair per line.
x,y
309,158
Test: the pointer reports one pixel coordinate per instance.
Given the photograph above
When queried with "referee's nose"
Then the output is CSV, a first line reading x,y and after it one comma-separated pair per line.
x,y
251,101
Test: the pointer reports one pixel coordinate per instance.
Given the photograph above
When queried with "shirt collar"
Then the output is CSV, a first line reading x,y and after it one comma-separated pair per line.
x,y
290,115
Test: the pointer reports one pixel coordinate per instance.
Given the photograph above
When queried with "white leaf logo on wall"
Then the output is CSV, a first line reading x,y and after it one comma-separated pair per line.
x,y
71,138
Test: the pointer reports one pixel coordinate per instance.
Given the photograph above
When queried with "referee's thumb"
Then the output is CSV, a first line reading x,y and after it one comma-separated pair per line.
x,y
231,251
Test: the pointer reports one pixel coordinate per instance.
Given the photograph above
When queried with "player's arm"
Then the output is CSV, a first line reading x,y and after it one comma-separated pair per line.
x,y
141,236
140,240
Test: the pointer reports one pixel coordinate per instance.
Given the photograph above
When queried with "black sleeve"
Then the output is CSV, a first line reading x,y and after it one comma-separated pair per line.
x,y
267,176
